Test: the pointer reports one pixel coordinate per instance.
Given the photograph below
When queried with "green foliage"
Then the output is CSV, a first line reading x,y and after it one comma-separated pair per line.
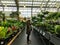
x,y
4,27
33,18
49,23
2,15
40,15
13,14
57,29
3,33
51,15
58,15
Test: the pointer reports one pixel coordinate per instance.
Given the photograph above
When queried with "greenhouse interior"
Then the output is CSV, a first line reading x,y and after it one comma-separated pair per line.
x,y
32,22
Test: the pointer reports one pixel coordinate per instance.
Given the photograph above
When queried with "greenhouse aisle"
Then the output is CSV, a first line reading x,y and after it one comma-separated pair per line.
x,y
21,40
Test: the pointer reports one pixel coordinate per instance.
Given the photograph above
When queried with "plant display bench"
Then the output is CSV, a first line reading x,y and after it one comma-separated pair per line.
x,y
51,37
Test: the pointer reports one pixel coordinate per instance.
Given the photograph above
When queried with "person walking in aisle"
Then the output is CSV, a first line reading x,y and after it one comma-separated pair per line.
x,y
28,31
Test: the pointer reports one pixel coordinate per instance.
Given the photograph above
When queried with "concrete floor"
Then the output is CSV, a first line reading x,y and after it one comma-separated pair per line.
x,y
22,39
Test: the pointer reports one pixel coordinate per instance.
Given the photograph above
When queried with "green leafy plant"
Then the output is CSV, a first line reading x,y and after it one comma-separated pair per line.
x,y
51,15
3,33
57,29
58,15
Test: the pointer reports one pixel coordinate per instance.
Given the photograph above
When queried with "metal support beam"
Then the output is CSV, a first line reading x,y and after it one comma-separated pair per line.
x,y
39,1
41,6
2,4
32,9
17,4
46,5
29,6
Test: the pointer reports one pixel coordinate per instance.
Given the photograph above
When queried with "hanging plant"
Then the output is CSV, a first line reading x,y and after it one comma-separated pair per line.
x,y
13,14
46,12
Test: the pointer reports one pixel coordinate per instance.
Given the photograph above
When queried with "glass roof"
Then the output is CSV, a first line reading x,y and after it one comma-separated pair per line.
x,y
29,2
25,6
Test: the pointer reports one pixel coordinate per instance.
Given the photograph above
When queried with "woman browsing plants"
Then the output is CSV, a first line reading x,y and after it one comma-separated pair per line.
x,y
28,31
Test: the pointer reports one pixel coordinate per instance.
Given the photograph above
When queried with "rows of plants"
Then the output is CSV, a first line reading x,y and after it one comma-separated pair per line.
x,y
9,28
48,21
